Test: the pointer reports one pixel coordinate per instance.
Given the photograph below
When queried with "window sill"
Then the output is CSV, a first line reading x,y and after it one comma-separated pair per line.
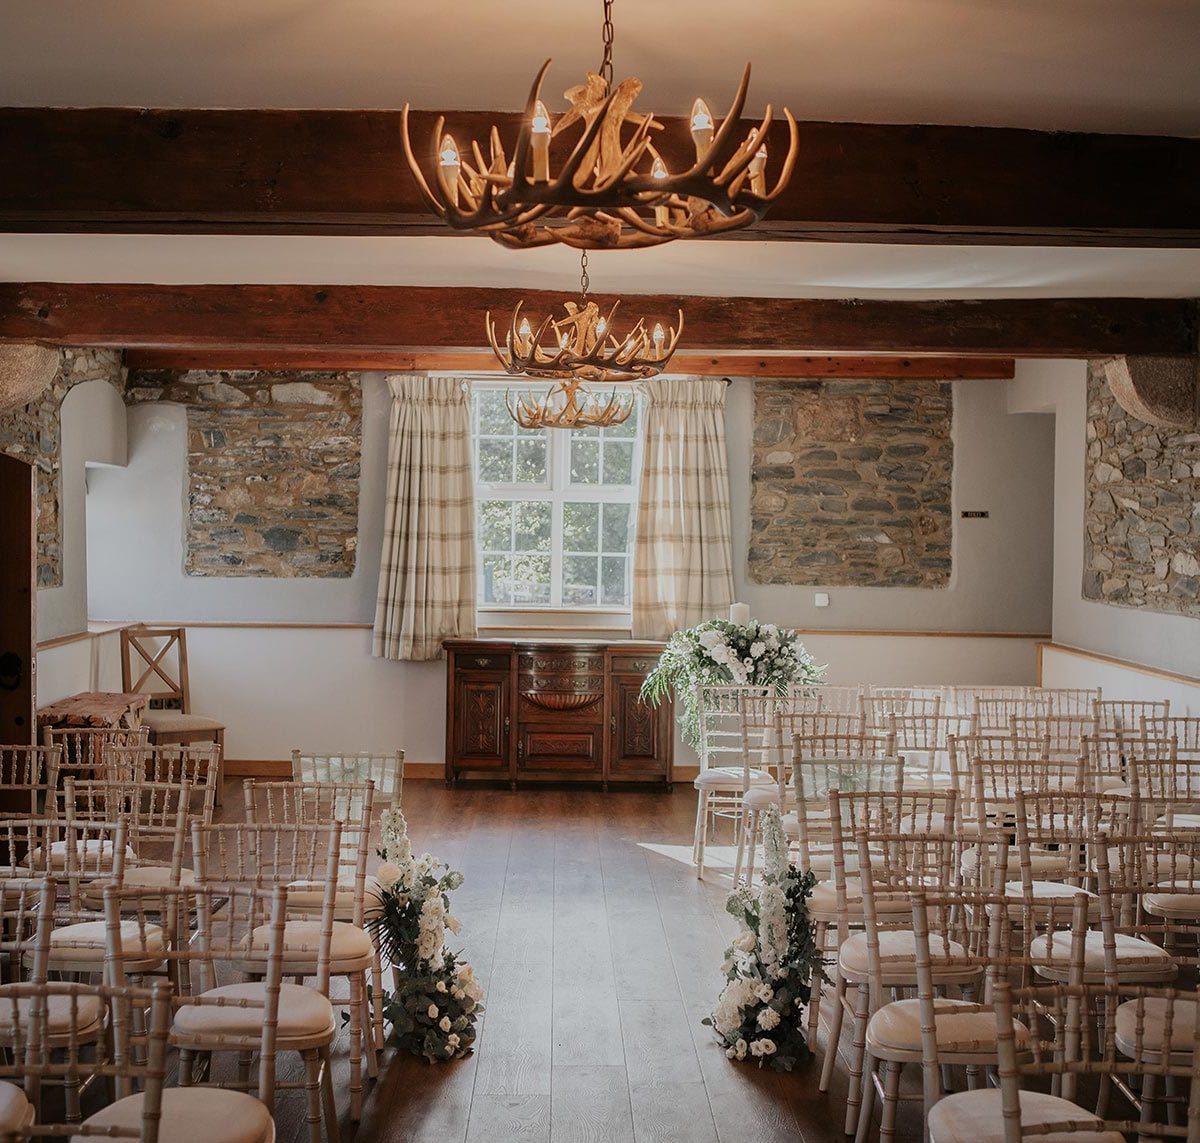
x,y
598,621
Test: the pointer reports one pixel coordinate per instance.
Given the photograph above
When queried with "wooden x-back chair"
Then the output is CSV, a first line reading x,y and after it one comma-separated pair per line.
x,y
154,662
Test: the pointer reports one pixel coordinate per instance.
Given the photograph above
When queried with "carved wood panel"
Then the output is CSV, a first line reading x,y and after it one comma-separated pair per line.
x,y
481,738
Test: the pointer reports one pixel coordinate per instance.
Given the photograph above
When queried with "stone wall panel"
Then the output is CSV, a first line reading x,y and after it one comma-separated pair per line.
x,y
851,483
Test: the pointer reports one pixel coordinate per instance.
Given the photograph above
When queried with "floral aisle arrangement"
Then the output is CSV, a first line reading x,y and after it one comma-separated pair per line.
x,y
771,965
437,1001
720,652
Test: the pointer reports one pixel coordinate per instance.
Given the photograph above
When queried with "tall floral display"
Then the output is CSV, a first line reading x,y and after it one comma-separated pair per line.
x,y
770,967
720,652
437,1000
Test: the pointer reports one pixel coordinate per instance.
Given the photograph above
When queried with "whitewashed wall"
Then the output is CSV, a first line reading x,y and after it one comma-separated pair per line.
x,y
1067,667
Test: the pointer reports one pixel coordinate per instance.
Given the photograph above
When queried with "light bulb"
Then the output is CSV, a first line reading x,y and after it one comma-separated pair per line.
x,y
701,116
659,170
659,337
539,124
524,328
449,152
601,327
758,167
539,142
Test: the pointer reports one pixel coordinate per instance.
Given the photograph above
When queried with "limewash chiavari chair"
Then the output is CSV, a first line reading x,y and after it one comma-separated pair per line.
x,y
727,761
230,995
1125,715
195,763
1184,729
1104,760
357,899
157,819
995,715
82,749
1065,732
953,933
1065,1045
923,741
1155,772
1072,702
300,857
26,777
385,771
890,867
758,713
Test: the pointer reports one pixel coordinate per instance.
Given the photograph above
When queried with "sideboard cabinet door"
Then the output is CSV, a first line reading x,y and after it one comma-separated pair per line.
x,y
481,721
639,742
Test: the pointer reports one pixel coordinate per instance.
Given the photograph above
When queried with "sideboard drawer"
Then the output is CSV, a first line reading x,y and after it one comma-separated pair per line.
x,y
469,662
633,664
561,663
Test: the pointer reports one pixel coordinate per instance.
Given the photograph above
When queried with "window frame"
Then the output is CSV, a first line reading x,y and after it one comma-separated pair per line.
x,y
557,491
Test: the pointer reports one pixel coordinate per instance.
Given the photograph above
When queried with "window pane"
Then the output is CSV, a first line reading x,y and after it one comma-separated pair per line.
x,y
616,528
531,459
493,418
614,588
581,527
585,462
627,430
496,461
579,580
618,462
533,526
495,525
531,579
497,573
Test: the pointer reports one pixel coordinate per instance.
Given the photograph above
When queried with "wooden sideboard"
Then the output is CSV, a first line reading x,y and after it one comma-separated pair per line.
x,y
524,711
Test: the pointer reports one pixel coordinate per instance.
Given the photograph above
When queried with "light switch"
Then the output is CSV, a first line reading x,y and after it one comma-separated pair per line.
x,y
820,599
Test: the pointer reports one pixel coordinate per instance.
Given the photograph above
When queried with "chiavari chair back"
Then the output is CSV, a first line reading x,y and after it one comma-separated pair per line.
x,y
196,763
385,771
1184,729
81,750
880,705
1073,702
1125,715
1156,772
26,779
995,715
1064,732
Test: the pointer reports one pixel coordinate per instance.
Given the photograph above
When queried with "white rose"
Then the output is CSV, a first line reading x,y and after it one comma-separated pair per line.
x,y
740,1050
765,1047
453,1040
388,874
444,1024
746,942
768,1018
433,1011
457,993
441,986
757,649
764,992
453,924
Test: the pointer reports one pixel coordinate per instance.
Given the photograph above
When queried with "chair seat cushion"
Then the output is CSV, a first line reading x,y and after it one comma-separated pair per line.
x,y
822,905
149,879
961,1029
92,854
1178,898
761,797
731,778
1050,898
307,896
350,945
86,1016
977,1117
169,721
15,1110
83,943
303,1013
1043,863
1137,959
1152,1013
192,1115
898,955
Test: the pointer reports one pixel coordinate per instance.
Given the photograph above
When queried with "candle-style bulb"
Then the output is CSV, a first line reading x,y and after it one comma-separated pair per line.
x,y
601,327
758,169
451,165
659,170
524,329
659,337
702,128
539,142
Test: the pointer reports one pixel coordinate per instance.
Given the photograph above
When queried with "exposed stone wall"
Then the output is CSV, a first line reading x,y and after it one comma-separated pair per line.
x,y
273,470
851,483
1142,509
34,433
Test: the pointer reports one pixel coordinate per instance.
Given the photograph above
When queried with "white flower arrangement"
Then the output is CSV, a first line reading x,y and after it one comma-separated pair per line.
x,y
719,652
770,966
438,999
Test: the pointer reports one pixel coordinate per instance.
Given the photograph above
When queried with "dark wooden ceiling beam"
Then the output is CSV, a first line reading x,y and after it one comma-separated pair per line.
x,y
784,366
343,172
353,319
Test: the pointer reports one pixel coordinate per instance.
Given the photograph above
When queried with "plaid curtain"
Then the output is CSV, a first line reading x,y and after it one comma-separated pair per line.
x,y
427,572
683,560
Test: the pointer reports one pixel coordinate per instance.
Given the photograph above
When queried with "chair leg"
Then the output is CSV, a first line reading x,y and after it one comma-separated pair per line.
x,y
814,1001
752,842
368,1022
891,1101
356,1045
858,1049
219,739
868,1097
312,1094
377,998
332,1127
835,1034
701,833
739,856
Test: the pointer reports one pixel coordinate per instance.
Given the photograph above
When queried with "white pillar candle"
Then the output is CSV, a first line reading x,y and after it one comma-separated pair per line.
x,y
739,613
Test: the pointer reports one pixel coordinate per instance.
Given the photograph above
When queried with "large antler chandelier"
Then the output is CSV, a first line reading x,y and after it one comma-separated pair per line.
x,y
580,346
613,188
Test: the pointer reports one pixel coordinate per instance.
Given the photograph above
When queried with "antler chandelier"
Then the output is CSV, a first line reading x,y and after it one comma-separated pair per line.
x,y
578,347
610,192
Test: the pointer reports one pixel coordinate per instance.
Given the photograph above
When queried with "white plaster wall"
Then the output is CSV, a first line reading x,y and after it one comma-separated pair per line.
x,y
1143,636
89,664
1002,573
1062,667
92,434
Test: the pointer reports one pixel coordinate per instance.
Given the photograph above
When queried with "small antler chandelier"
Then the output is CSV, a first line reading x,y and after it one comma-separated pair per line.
x,y
578,347
609,193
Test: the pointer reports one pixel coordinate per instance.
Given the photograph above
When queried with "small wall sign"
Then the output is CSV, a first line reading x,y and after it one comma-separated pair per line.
x,y
975,515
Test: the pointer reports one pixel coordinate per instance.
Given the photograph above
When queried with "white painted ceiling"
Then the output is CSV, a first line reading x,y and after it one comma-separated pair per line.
x,y
1096,65
758,269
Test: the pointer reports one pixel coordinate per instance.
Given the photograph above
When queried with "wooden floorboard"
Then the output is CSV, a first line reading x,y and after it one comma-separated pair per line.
x,y
601,952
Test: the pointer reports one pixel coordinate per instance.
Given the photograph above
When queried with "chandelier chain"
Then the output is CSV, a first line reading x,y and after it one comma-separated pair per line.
x,y
606,65
585,281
